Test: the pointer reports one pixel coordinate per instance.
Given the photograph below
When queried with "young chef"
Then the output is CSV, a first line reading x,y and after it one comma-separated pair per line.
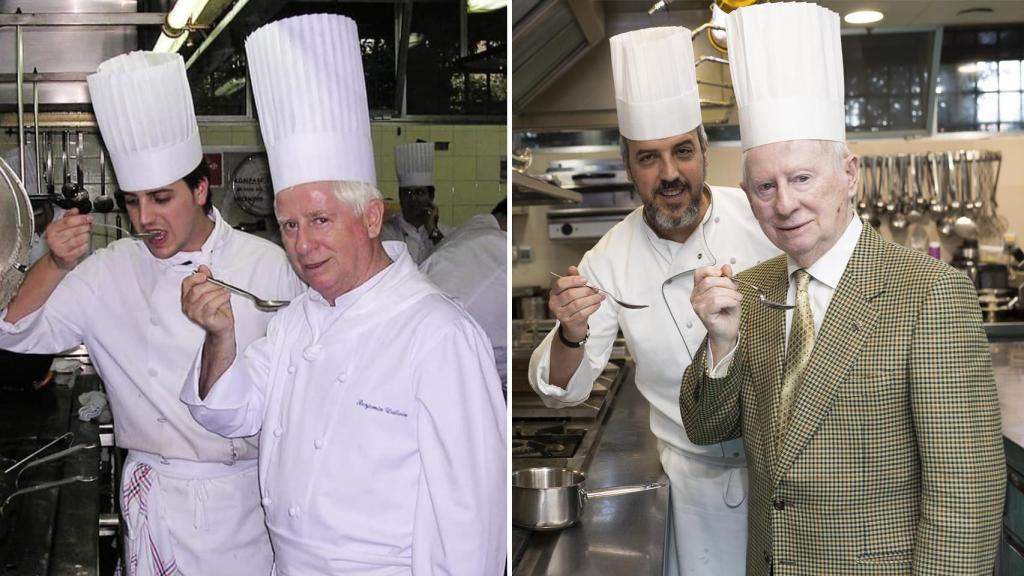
x,y
384,450
189,497
649,258
417,224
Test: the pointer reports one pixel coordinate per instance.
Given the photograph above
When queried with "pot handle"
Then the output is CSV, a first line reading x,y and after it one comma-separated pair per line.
x,y
619,490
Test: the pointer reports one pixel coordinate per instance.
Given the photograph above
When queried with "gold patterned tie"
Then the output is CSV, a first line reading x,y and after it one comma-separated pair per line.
x,y
798,350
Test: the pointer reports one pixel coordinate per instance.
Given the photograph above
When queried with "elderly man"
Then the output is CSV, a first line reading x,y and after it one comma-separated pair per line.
x,y
417,224
190,498
385,427
472,268
869,411
649,258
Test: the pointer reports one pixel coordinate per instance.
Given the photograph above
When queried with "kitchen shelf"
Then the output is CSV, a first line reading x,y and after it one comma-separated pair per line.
x,y
527,190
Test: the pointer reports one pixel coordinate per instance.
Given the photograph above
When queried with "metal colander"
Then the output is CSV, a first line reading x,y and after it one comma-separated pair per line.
x,y
16,227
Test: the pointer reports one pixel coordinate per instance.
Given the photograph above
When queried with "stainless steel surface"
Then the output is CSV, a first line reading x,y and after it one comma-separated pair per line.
x,y
612,296
547,498
262,304
615,536
67,36
16,227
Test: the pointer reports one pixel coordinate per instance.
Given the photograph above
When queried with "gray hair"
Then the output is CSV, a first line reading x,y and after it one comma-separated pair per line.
x,y
835,151
356,195
702,139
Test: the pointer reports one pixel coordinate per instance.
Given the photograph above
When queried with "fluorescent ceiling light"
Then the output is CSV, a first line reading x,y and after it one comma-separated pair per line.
x,y
480,6
863,17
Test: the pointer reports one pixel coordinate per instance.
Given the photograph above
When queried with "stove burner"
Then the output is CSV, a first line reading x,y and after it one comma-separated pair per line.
x,y
545,445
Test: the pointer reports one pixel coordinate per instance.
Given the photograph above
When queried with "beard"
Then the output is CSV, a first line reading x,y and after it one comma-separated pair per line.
x,y
662,219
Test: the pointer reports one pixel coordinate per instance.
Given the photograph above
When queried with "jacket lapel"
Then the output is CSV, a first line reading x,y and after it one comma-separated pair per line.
x,y
849,322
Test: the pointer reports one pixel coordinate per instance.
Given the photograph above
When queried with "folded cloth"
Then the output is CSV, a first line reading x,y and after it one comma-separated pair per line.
x,y
93,405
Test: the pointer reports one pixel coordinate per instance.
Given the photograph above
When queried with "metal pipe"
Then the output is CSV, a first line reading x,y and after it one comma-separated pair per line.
x,y
84,19
216,32
35,127
704,27
20,57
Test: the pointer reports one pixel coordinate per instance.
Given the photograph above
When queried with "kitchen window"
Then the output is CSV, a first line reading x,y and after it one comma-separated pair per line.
x,y
979,85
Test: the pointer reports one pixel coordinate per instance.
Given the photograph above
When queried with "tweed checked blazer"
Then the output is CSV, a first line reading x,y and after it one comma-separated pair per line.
x,y
893,461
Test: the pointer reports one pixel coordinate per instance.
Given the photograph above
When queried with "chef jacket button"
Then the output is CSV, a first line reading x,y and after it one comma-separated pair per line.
x,y
717,219
265,501
294,511
732,260
689,324
291,369
699,255
161,420
669,281
154,321
342,377
318,443
152,372
779,504
278,432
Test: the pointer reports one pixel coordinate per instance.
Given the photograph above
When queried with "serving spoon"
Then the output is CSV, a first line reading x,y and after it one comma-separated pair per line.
x,y
761,296
261,303
612,296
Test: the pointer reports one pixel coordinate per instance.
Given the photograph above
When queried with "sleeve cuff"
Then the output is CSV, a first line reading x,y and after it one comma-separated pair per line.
x,y
721,369
19,326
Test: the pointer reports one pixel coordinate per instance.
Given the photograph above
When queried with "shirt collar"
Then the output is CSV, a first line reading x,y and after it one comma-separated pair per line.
x,y
830,267
191,260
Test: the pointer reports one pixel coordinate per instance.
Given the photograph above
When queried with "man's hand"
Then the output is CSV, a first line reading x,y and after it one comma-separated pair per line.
x,y
432,216
68,239
716,300
572,302
206,304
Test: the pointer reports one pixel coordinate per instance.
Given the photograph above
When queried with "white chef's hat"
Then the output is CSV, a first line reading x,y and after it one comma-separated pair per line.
x,y
786,62
655,83
143,106
414,164
307,78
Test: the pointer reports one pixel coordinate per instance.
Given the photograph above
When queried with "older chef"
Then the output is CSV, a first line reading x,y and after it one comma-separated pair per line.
x,y
650,258
417,224
869,411
190,497
472,268
384,450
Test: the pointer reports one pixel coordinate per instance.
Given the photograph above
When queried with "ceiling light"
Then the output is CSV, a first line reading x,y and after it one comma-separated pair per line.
x,y
863,17
481,6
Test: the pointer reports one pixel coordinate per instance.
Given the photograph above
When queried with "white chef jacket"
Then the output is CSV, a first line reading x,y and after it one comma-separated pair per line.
x,y
471,267
124,304
633,263
417,240
384,443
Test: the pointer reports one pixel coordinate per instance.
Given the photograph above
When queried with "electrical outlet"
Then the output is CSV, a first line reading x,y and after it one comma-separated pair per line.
x,y
525,254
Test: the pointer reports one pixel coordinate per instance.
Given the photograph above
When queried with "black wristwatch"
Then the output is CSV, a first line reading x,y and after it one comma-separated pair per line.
x,y
570,343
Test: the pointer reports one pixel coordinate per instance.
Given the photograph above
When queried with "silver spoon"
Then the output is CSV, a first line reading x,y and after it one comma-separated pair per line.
x,y
610,295
761,297
261,304
134,235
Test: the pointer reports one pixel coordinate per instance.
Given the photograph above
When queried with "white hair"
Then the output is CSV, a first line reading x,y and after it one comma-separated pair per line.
x,y
835,151
356,195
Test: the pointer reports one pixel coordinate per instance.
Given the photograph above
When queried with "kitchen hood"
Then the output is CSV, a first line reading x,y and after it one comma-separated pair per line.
x,y
548,38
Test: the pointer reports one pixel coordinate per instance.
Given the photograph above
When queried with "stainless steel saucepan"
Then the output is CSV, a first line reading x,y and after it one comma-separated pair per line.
x,y
553,498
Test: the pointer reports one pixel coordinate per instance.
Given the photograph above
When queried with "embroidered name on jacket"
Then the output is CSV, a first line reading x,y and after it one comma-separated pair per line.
x,y
383,409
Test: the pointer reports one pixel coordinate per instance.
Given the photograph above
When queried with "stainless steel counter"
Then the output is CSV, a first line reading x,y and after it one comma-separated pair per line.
x,y
617,535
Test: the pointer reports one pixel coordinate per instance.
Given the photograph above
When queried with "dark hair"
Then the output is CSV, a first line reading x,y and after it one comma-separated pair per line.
x,y
500,209
193,178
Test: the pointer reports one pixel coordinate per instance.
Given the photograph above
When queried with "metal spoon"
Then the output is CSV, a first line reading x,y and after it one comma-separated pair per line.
x,y
761,296
261,304
610,295
136,235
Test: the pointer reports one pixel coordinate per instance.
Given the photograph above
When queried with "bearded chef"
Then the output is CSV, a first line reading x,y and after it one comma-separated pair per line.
x,y
417,224
384,427
650,257
189,497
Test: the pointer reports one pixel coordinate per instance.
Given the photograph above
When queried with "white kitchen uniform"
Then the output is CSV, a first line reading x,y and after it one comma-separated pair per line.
x,y
383,449
472,268
125,306
632,262
417,240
